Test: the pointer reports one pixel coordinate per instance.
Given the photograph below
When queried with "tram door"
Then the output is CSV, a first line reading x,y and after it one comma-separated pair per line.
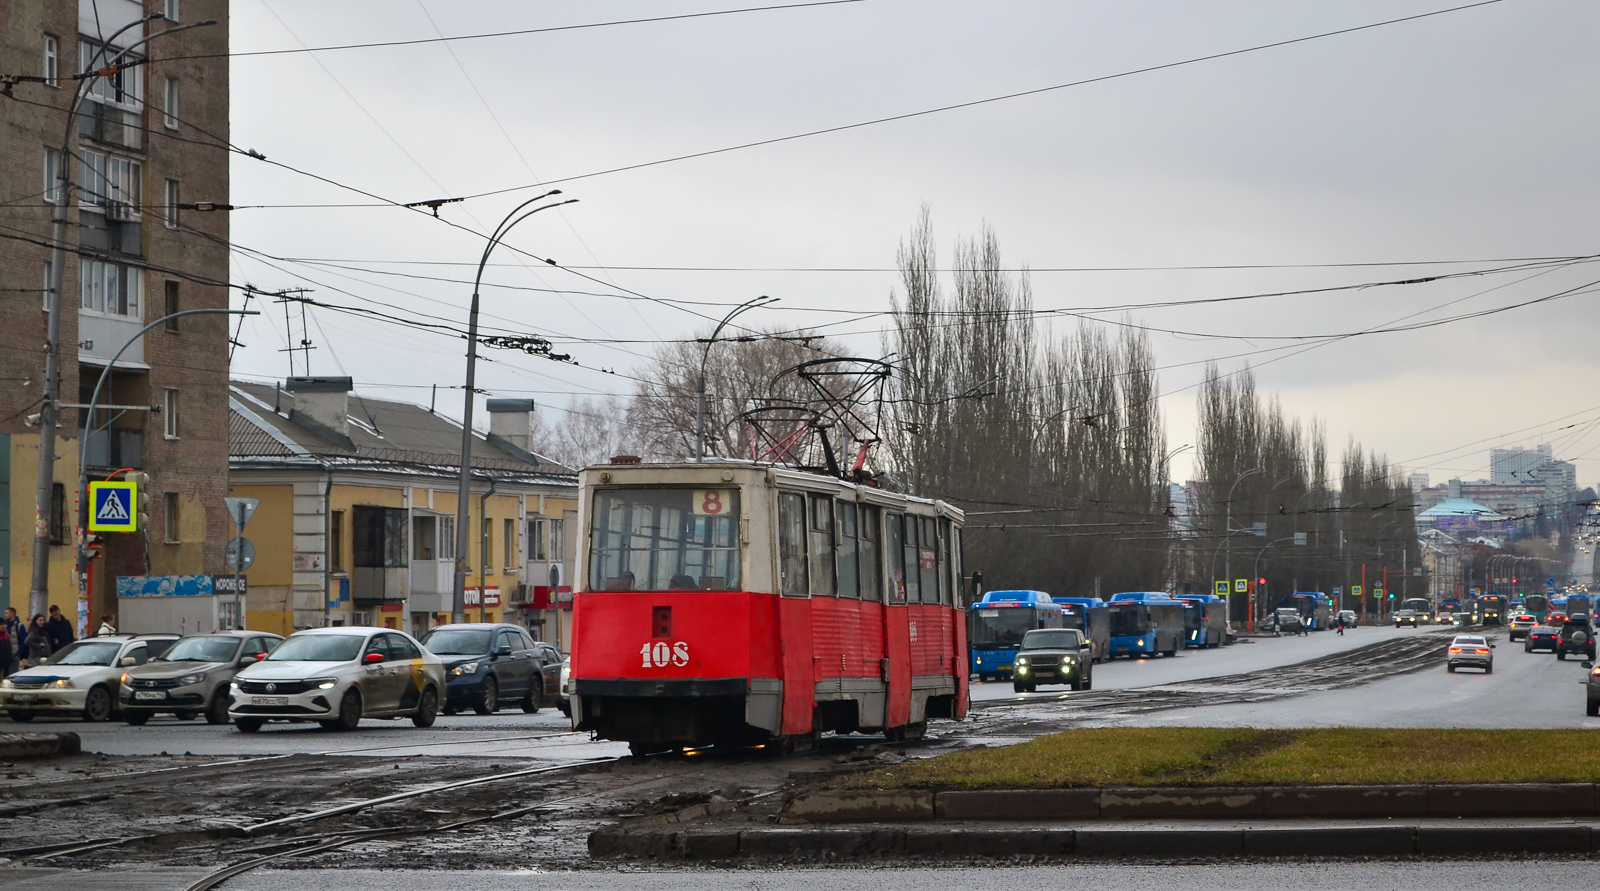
x,y
896,627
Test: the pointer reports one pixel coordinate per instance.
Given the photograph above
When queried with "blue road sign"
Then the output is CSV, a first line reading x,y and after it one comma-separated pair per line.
x,y
113,507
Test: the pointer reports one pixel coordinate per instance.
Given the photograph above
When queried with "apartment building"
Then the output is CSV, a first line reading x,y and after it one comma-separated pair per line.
x,y
146,156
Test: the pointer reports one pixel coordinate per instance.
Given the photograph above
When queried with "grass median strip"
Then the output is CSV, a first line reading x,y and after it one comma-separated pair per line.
x,y
1200,756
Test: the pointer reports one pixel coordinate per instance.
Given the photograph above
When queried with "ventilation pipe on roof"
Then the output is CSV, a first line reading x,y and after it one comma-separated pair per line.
x,y
324,401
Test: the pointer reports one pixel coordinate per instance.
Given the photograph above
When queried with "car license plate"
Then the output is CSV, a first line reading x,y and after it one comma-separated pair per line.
x,y
270,700
150,694
24,697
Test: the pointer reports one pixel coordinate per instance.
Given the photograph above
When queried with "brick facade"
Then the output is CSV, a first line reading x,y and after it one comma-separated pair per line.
x,y
192,257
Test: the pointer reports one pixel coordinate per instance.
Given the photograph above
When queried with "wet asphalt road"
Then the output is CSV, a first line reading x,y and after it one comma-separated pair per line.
x,y
1323,876
1259,654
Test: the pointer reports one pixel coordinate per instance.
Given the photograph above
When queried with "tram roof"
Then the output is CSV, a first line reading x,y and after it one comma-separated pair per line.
x,y
804,478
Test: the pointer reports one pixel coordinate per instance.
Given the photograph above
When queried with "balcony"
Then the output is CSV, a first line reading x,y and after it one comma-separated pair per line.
x,y
100,335
114,449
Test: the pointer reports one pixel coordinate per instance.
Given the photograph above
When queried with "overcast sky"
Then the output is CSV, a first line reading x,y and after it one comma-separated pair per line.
x,y
1468,136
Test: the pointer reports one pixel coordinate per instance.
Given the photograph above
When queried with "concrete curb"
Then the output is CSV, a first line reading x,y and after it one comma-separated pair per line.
x,y
1223,803
962,842
39,745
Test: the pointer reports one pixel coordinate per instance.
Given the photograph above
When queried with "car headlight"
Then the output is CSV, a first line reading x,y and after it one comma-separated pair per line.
x,y
6,683
124,679
1069,660
1022,669
323,683
1022,660
464,668
63,684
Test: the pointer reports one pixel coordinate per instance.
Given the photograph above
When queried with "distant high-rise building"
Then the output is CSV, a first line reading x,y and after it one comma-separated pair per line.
x,y
1419,481
1509,467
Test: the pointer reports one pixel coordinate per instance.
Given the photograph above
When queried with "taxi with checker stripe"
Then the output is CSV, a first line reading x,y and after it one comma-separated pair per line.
x,y
336,677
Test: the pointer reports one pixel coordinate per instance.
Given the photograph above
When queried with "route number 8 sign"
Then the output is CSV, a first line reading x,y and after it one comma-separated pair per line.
x,y
713,502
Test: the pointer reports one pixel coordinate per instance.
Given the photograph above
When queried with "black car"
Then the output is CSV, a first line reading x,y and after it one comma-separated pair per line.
x,y
1575,637
489,665
1541,637
1053,656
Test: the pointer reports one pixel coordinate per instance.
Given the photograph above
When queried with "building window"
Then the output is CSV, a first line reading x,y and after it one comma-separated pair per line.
x,y
169,115
169,413
170,202
336,541
536,548
378,537
424,536
124,87
447,537
58,513
170,521
170,305
52,176
170,10
487,546
558,539
107,180
52,61
110,288
510,537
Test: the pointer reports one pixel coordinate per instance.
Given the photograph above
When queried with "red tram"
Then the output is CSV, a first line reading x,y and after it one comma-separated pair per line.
x,y
740,604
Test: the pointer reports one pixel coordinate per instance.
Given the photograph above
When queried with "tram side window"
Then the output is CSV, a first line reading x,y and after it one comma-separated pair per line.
x,y
665,539
897,570
822,568
792,544
928,559
849,530
944,562
960,574
870,555
908,559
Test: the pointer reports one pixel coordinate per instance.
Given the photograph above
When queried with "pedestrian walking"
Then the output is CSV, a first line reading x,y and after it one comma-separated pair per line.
x,y
38,643
1339,626
17,630
58,629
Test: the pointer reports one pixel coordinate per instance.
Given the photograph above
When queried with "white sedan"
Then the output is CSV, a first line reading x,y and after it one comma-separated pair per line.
x,y
336,677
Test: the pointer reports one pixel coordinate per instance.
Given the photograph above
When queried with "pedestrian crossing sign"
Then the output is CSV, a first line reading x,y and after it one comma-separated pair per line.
x,y
1222,589
114,507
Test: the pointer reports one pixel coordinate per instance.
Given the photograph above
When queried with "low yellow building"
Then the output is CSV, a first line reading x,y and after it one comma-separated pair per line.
x,y
356,521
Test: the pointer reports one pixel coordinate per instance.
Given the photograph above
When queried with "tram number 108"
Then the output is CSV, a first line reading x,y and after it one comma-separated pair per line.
x,y
661,654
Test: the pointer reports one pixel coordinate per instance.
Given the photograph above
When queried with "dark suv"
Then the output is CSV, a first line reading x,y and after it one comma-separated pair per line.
x,y
1053,656
1575,637
487,665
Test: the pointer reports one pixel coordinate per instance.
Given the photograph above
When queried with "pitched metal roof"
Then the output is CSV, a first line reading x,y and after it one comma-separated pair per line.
x,y
263,425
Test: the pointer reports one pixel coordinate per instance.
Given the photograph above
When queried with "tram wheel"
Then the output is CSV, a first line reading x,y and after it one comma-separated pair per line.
x,y
638,749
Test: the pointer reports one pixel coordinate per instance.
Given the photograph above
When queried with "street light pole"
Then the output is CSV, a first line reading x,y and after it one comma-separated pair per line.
x,y
39,588
458,589
700,409
1227,541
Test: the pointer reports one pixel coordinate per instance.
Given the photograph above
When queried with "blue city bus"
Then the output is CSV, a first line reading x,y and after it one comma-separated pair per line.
x,y
1205,620
997,623
1144,623
1091,616
1316,611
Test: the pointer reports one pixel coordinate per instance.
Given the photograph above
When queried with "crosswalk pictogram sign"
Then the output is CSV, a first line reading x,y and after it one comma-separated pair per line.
x,y
114,507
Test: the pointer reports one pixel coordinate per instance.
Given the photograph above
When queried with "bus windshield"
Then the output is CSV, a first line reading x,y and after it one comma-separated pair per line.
x,y
1000,629
661,539
1126,621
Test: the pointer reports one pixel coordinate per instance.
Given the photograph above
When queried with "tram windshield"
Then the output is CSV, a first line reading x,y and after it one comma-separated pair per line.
x,y
655,539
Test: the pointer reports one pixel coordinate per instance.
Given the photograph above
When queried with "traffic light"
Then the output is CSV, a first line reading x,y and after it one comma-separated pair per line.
x,y
1513,581
1262,582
